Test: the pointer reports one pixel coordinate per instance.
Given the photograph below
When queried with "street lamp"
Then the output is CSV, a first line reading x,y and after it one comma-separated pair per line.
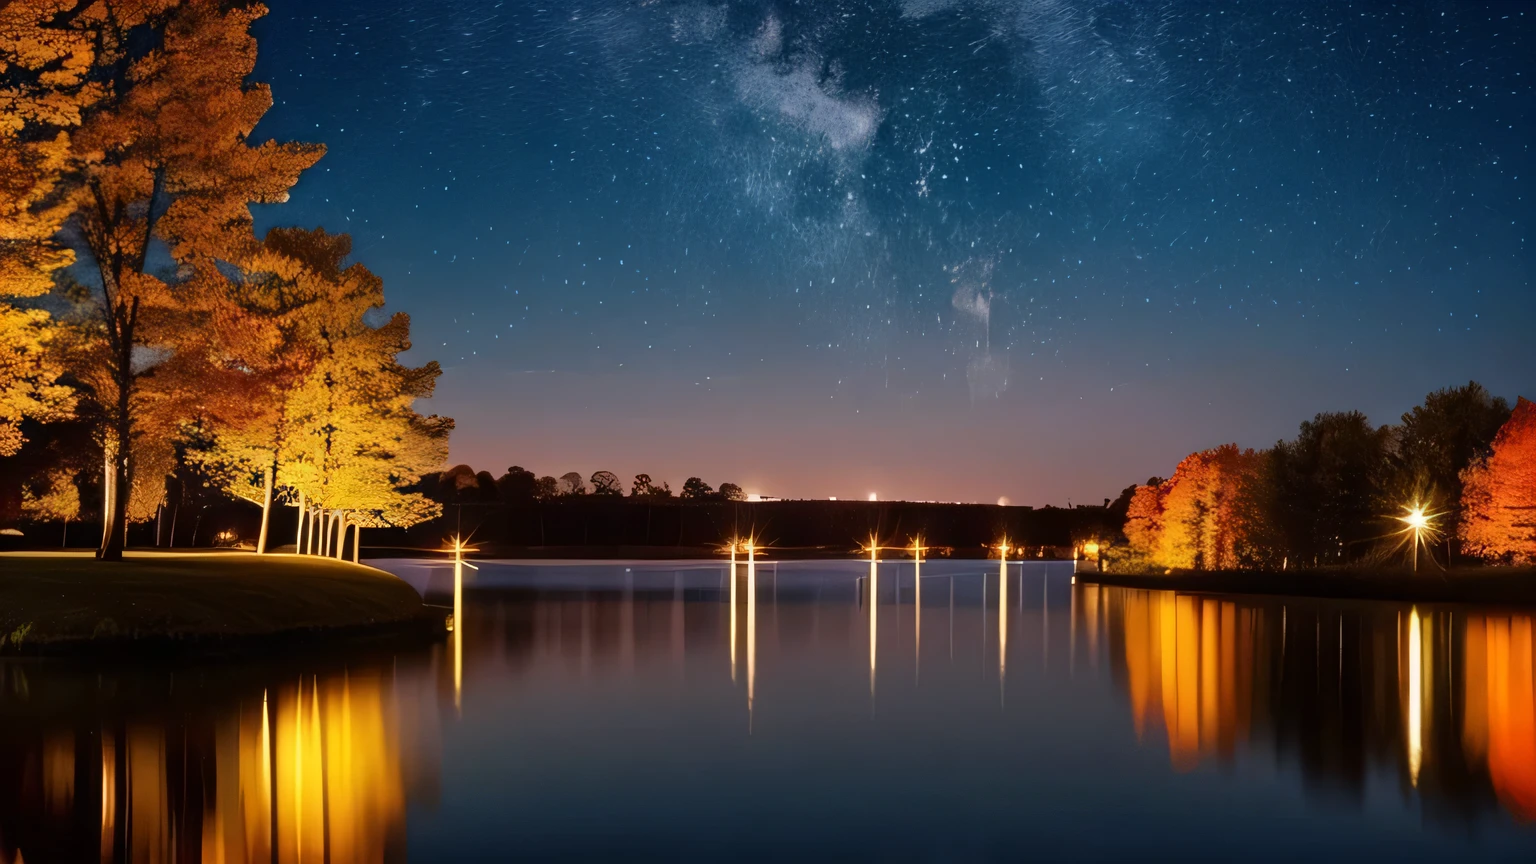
x,y
1418,524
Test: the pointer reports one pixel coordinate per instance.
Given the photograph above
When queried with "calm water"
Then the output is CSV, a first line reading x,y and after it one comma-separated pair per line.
x,y
604,711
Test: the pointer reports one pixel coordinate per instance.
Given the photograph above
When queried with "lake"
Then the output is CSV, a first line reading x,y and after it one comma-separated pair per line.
x,y
600,711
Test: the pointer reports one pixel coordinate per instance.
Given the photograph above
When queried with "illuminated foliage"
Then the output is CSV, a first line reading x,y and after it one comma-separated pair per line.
x,y
1207,516
148,116
351,439
1499,501
1144,519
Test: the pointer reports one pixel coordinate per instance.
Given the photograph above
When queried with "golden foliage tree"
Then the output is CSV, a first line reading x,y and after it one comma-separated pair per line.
x,y
1499,497
352,443
1205,517
43,90
151,161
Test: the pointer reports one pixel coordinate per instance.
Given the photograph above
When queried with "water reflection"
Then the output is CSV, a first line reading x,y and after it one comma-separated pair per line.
x,y
1443,697
307,769
663,700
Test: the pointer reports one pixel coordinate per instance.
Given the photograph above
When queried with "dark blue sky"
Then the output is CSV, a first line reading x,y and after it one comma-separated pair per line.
x,y
936,249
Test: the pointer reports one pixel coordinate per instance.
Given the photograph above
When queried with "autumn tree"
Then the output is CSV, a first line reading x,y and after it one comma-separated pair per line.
x,y
1499,498
1205,523
268,325
1144,519
354,446
55,499
151,98
45,88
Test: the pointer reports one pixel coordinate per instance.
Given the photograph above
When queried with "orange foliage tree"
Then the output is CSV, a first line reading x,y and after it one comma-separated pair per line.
x,y
1499,498
152,152
1207,516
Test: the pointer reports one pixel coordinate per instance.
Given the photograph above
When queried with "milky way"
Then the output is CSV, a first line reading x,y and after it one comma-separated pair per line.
x,y
966,249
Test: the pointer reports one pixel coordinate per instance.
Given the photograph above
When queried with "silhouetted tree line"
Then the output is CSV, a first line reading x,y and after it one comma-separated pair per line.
x,y
1338,492
462,484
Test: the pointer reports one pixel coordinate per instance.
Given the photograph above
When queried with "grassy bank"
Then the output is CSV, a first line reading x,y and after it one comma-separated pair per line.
x,y
68,601
1503,585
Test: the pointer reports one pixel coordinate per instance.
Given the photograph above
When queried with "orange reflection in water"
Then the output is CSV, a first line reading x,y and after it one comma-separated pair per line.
x,y
1441,694
1499,725
1184,672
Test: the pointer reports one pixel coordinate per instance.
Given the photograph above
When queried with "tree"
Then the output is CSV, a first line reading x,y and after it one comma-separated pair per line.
x,y
1203,515
731,492
150,115
44,88
695,489
572,484
266,326
517,485
58,500
1328,487
1499,501
545,488
1438,440
356,447
642,487
606,483
1144,519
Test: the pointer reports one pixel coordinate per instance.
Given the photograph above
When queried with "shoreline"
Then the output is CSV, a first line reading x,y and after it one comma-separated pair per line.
x,y
207,605
1480,585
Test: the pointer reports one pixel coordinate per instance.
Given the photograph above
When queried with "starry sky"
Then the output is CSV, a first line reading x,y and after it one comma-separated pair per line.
x,y
929,249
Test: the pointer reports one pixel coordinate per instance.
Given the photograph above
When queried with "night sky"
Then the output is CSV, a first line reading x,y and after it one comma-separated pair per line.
x,y
933,249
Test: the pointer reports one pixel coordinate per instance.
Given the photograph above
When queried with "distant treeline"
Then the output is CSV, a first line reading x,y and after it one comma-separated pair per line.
x,y
591,521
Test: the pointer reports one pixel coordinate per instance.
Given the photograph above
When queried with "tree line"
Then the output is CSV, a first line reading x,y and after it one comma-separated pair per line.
x,y
146,331
461,484
1343,491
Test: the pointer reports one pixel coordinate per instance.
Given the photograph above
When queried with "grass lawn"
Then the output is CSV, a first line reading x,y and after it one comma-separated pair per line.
x,y
68,598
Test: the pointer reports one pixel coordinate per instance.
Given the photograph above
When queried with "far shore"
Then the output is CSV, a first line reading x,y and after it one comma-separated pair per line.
x,y
1483,585
206,602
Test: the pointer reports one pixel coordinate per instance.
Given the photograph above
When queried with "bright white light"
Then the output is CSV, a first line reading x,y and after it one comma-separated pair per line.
x,y
873,497
1002,501
833,498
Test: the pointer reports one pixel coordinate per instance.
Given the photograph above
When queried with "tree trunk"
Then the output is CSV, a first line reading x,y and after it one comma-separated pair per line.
x,y
341,534
122,468
106,491
266,509
325,532
64,543
298,534
357,540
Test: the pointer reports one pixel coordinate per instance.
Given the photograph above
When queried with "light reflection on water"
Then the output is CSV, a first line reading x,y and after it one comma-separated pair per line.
x,y
613,710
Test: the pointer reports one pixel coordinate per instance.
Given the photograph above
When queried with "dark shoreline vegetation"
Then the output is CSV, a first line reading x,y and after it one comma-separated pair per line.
x,y
200,603
1472,585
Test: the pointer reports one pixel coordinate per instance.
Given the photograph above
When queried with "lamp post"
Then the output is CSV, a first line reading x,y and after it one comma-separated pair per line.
x,y
458,549
1418,523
